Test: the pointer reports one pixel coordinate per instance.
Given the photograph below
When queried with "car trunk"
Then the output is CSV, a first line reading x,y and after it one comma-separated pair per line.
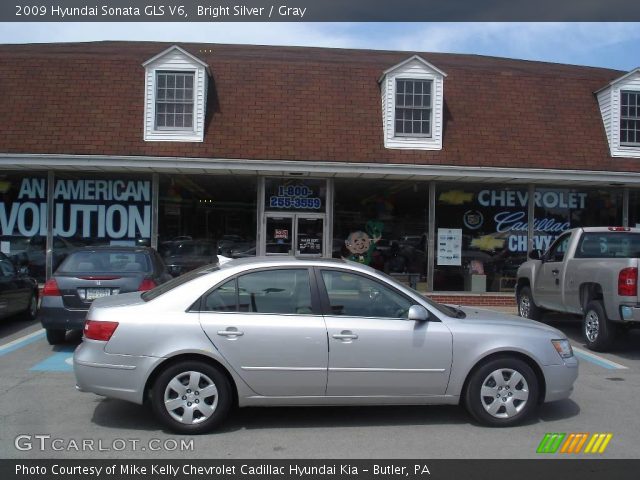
x,y
78,290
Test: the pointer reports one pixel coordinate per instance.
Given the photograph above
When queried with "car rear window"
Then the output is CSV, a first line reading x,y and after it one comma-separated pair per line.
x,y
176,282
609,245
106,262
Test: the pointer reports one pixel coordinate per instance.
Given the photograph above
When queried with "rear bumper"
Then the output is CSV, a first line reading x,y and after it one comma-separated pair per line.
x,y
53,314
630,313
559,379
111,375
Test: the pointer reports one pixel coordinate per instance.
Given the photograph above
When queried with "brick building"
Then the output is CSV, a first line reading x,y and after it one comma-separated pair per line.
x,y
440,169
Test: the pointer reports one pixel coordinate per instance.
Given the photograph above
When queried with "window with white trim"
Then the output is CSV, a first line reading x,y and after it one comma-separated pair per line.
x,y
629,118
413,107
174,100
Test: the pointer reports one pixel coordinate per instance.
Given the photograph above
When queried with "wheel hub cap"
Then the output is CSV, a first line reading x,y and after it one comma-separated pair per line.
x,y
592,326
191,397
504,393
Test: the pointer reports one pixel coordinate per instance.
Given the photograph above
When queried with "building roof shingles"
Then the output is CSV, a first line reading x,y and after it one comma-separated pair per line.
x,y
297,103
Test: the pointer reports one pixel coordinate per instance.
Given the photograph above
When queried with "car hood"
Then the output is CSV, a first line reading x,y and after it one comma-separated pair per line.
x,y
491,317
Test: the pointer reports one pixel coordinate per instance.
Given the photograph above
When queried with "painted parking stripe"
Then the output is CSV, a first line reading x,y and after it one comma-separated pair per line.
x,y
598,360
60,361
21,342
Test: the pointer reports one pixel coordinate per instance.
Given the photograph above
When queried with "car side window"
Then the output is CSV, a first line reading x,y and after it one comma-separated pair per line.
x,y
359,296
6,268
222,299
284,291
558,249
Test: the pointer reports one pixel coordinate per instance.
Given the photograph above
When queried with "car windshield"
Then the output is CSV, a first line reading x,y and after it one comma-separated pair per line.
x,y
109,261
176,282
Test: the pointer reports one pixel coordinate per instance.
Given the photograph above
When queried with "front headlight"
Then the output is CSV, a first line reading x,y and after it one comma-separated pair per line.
x,y
563,347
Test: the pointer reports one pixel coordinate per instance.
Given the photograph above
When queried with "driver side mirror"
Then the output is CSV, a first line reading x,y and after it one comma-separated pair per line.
x,y
418,313
535,254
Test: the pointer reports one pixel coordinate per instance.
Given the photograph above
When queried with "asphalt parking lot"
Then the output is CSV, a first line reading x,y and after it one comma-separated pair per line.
x,y
38,404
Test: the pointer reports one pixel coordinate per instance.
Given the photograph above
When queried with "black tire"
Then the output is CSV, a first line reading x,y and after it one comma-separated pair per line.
x,y
598,331
32,309
204,423
527,308
510,410
56,336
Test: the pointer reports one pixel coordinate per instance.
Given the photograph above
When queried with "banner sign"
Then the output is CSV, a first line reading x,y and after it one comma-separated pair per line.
x,y
85,208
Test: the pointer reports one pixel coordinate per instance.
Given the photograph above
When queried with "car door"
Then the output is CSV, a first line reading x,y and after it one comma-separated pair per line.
x,y
548,285
14,292
267,324
374,350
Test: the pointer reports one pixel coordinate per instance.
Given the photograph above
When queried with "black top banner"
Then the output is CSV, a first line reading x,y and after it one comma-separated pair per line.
x,y
319,11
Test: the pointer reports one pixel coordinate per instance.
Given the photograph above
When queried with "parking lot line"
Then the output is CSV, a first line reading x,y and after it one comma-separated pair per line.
x,y
598,360
21,342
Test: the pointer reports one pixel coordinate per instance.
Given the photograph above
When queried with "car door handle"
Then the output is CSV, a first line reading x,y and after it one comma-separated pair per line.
x,y
230,333
555,272
345,336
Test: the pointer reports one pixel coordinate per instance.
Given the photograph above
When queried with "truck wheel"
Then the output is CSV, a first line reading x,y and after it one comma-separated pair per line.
x,y
599,332
526,306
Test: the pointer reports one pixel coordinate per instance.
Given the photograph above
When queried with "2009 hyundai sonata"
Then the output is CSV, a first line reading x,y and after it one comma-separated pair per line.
x,y
263,332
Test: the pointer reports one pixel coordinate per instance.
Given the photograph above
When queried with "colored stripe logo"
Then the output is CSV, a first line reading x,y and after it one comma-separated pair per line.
x,y
574,443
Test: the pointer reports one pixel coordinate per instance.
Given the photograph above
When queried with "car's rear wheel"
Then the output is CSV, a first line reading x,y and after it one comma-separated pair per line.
x,y
56,336
502,392
32,310
191,397
526,306
599,332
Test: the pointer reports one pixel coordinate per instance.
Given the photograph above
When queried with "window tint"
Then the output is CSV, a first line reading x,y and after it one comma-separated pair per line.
x,y
275,291
176,282
359,296
222,299
106,261
609,245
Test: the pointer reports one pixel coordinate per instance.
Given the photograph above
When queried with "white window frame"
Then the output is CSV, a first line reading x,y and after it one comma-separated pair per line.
x,y
635,144
156,101
429,108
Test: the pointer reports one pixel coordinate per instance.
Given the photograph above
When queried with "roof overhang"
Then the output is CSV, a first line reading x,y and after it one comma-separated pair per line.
x,y
618,80
182,51
418,58
222,166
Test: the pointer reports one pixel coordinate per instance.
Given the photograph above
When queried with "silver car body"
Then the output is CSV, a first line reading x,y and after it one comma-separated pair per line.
x,y
308,359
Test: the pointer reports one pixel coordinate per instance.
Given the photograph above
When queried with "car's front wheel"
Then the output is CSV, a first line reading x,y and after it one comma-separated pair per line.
x,y
502,392
526,306
191,397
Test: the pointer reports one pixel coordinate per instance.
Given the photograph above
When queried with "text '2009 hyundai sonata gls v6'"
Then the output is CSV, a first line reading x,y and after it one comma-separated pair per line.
x,y
266,332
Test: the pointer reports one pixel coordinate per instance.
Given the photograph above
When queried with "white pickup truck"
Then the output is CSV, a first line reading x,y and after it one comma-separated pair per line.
x,y
588,271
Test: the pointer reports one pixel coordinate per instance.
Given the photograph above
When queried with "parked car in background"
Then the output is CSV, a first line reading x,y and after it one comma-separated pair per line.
x,y
284,331
31,252
94,272
591,271
18,291
185,255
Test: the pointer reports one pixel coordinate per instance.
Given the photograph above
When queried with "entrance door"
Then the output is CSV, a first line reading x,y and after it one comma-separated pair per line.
x,y
296,234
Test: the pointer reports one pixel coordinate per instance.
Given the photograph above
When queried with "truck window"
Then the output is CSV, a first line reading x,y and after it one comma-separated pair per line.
x,y
609,245
557,250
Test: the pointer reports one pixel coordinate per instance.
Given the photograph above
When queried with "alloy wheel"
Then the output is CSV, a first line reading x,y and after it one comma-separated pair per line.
x,y
592,326
525,306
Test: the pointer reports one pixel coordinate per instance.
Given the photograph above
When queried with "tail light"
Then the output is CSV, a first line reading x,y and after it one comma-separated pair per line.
x,y
94,330
51,289
147,284
628,282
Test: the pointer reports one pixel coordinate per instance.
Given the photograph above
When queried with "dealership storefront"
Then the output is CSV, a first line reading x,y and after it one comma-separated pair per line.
x,y
466,232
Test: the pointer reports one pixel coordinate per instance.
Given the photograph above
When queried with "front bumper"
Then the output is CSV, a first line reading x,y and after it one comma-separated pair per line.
x,y
559,379
111,375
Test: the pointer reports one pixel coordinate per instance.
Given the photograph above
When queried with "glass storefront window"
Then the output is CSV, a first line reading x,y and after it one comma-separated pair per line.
x,y
481,237
200,215
295,194
559,209
383,224
23,220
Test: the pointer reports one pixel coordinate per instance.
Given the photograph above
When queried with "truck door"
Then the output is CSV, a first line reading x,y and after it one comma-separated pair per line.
x,y
548,286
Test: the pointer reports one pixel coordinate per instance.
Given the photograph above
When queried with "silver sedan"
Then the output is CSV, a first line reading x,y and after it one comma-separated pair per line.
x,y
273,331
